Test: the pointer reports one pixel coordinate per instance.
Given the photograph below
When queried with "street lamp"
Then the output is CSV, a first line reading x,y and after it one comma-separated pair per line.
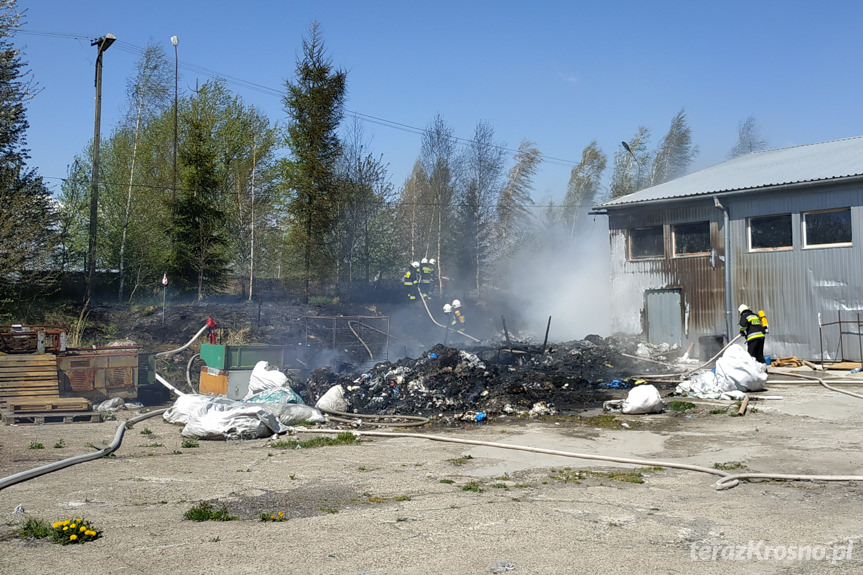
x,y
103,44
175,41
637,163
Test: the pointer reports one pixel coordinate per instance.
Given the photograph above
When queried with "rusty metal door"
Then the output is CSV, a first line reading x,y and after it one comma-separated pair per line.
x,y
664,316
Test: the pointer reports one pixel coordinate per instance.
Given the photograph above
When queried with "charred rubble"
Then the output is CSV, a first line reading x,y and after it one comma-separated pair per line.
x,y
564,378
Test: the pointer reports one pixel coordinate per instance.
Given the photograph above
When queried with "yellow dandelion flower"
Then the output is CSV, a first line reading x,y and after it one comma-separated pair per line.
x,y
56,524
73,537
65,528
73,526
78,520
83,528
67,522
89,533
281,514
272,516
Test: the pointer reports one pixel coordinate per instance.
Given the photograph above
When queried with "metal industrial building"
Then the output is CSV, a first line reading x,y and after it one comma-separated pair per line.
x,y
778,230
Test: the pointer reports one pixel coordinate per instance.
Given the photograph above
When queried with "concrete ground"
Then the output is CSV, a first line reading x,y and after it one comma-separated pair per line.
x,y
409,505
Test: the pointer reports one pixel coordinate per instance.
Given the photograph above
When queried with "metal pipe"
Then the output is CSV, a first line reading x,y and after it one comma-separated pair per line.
x,y
726,240
545,341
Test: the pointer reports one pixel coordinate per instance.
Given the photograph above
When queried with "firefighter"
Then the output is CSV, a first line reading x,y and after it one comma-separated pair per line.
x,y
457,315
411,280
432,274
755,330
426,272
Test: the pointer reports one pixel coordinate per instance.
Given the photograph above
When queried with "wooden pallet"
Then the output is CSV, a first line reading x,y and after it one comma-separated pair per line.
x,y
38,404
28,375
51,417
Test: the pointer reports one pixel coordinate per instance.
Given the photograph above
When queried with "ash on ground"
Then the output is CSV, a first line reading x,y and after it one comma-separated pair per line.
x,y
566,378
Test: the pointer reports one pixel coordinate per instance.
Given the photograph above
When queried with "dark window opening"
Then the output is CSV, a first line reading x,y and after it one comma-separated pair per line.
x,y
646,243
827,228
690,239
770,233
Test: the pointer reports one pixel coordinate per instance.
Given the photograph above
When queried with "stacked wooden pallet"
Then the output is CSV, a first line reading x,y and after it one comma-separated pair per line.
x,y
28,375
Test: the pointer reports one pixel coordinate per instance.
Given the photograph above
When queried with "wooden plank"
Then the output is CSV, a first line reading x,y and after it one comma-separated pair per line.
x,y
14,382
29,381
51,391
847,365
31,403
27,359
51,417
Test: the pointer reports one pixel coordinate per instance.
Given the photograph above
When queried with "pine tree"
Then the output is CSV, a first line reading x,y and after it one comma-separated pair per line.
x,y
27,219
199,257
315,105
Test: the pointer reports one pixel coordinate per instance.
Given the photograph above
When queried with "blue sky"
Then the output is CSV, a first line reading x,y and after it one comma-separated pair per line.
x,y
559,73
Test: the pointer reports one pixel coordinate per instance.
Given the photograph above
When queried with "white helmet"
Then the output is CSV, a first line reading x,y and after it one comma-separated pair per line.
x,y
425,260
432,261
447,308
743,307
415,264
456,304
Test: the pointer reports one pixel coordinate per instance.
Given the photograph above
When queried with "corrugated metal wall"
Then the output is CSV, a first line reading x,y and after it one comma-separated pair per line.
x,y
700,278
792,286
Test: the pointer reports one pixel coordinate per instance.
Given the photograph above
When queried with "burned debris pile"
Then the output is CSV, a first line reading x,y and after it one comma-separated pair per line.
x,y
567,377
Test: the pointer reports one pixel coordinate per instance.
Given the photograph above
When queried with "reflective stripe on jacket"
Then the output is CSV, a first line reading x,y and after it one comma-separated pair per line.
x,y
750,325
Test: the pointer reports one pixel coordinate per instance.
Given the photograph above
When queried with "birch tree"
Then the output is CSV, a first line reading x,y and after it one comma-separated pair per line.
x,y
629,164
148,95
584,184
675,152
482,170
749,138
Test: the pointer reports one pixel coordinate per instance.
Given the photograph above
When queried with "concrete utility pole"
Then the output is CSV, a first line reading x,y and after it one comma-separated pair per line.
x,y
103,43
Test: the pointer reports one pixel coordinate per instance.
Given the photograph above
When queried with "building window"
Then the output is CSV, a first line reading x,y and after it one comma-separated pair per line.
x,y
646,243
822,229
770,233
691,239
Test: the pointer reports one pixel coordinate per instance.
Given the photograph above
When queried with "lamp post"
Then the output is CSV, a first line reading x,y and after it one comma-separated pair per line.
x,y
175,41
103,44
637,163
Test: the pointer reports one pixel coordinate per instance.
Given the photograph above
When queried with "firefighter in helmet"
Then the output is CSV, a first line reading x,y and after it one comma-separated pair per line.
x,y
755,330
426,272
411,280
457,315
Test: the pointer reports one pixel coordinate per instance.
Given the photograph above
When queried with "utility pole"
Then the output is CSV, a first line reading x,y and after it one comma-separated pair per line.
x,y
103,43
175,41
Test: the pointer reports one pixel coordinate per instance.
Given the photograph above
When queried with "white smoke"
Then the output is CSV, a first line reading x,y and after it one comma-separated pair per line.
x,y
568,281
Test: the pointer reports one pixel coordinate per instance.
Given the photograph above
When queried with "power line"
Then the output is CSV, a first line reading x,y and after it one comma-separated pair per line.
x,y
137,50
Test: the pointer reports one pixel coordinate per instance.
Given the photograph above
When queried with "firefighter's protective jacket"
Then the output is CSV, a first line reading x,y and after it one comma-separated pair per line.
x,y
427,273
411,279
750,325
457,317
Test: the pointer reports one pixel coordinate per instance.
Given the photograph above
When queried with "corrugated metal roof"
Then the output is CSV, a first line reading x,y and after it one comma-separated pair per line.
x,y
784,166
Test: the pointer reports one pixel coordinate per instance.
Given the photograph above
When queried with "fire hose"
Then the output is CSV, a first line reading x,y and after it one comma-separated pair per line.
x,y
118,436
111,448
431,317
